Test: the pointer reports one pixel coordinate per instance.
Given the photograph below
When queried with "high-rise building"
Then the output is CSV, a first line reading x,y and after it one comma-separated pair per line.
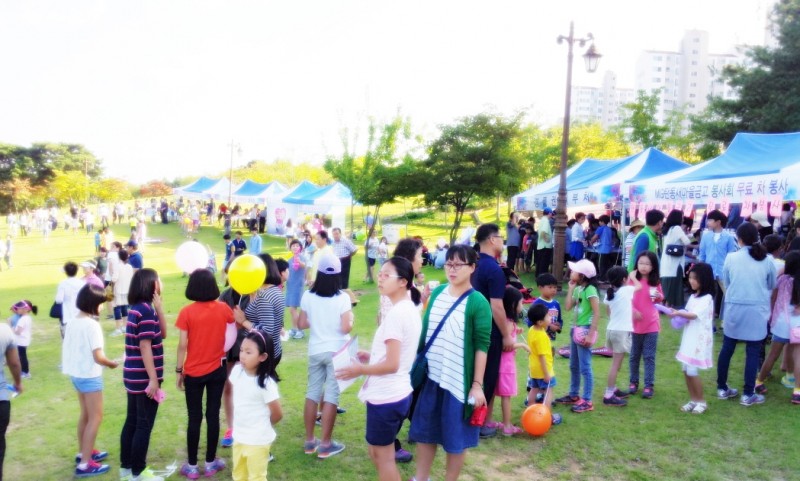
x,y
687,77
603,104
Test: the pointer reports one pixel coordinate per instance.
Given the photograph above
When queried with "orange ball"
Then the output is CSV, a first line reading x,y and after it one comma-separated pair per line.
x,y
536,420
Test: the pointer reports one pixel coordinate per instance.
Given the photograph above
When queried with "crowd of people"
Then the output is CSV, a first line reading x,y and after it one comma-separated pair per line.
x,y
441,353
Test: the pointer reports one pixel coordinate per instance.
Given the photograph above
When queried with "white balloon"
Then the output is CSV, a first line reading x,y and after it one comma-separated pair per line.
x,y
191,256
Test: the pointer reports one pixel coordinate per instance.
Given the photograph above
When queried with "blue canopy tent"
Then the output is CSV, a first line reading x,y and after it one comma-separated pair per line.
x,y
330,200
267,195
759,169
596,181
197,187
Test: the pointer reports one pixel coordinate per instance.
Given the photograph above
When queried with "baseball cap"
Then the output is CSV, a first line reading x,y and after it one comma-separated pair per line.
x,y
132,243
329,264
547,211
90,264
583,266
761,218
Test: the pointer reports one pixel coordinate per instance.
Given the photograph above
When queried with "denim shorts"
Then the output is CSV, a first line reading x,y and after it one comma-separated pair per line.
x,y
321,379
439,419
541,383
87,384
780,339
384,421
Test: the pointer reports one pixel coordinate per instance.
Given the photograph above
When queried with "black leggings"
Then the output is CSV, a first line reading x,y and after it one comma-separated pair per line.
x,y
5,417
23,358
135,437
213,383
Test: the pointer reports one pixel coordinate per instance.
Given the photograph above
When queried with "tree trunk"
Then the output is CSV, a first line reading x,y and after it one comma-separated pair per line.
x,y
459,214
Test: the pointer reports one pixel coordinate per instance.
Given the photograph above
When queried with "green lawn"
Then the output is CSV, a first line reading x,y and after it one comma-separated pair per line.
x,y
646,440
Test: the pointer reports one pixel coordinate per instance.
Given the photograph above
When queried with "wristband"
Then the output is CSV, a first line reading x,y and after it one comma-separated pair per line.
x,y
179,370
478,383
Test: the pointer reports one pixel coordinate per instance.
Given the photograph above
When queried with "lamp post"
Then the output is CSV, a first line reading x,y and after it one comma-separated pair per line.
x,y
592,56
238,148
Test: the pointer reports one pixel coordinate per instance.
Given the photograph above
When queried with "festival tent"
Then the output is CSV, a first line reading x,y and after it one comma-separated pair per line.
x,y
197,187
257,193
330,200
268,195
760,169
595,181
221,190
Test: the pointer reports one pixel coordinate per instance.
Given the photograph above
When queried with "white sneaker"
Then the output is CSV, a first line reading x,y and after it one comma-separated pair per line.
x,y
125,474
147,475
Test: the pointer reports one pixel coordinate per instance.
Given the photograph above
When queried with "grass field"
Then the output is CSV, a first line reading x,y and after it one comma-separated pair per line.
x,y
643,441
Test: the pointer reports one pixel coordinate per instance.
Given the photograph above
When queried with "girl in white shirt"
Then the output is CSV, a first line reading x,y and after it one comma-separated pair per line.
x,y
256,402
387,390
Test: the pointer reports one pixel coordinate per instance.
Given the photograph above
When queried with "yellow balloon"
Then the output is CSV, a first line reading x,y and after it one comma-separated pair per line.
x,y
247,273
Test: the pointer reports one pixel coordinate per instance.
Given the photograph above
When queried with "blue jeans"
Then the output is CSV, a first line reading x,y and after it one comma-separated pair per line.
x,y
120,312
643,346
580,365
752,351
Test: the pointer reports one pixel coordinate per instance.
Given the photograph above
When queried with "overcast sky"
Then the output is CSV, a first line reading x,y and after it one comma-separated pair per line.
x,y
159,88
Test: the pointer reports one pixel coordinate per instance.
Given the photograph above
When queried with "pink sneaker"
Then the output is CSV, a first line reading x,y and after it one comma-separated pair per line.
x,y
214,467
511,430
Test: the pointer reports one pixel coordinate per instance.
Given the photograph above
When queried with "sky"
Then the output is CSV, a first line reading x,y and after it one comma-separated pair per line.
x,y
159,89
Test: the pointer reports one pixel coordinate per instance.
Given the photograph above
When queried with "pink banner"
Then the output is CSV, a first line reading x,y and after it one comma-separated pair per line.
x,y
725,205
761,204
747,206
710,205
775,205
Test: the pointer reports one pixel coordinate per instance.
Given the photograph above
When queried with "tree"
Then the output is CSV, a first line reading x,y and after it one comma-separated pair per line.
x,y
541,149
381,174
640,120
283,171
112,190
473,159
768,93
69,187
155,188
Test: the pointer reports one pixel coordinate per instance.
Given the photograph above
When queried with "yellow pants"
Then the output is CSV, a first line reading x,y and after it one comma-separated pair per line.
x,y
250,462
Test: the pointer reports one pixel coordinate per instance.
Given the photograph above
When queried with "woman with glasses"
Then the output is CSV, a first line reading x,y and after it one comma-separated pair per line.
x,y
456,363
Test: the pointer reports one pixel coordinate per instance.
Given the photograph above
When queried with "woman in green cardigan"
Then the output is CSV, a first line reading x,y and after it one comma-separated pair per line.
x,y
456,362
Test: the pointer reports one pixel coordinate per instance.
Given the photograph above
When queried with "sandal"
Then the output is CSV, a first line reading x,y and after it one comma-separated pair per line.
x,y
493,425
700,408
512,430
689,407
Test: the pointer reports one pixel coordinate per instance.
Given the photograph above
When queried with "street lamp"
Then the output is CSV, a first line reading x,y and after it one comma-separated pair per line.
x,y
238,148
592,56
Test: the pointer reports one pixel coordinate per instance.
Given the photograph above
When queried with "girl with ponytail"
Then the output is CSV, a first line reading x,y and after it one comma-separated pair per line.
x,y
387,389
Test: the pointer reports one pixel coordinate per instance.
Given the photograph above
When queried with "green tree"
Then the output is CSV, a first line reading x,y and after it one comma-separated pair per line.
x,y
640,120
471,160
768,93
283,171
69,187
112,190
381,173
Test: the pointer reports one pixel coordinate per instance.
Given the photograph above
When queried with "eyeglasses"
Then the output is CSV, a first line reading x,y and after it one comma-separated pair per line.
x,y
453,266
383,275
497,237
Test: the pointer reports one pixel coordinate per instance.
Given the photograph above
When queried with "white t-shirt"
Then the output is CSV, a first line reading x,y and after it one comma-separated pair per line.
x,y
621,318
250,402
446,355
22,332
325,318
402,323
82,336
67,294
